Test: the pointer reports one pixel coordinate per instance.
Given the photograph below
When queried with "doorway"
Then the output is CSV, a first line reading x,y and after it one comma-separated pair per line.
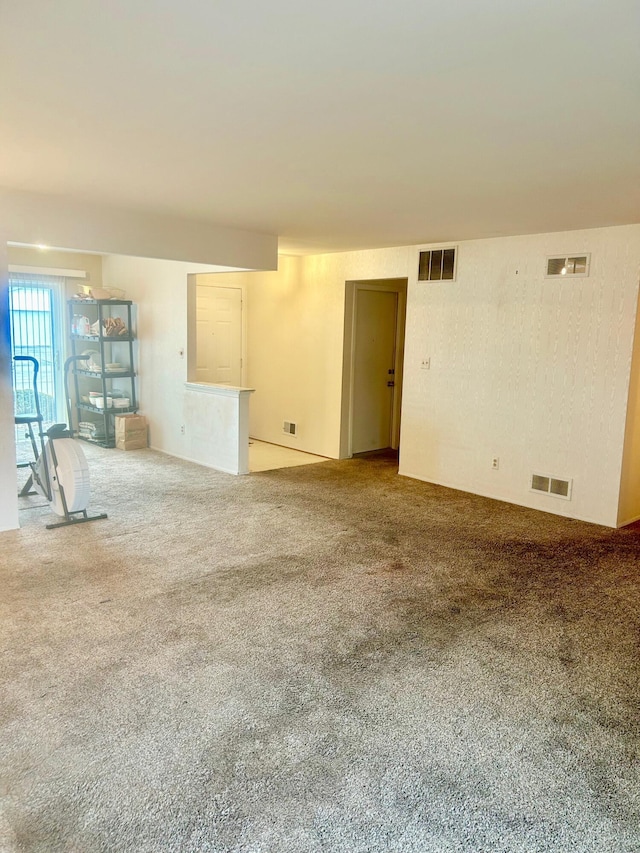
x,y
372,371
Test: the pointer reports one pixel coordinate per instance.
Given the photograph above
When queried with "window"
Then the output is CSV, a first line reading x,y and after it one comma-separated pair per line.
x,y
564,265
437,265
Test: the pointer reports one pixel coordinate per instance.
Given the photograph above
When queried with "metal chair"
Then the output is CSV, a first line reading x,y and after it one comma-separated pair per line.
x,y
28,419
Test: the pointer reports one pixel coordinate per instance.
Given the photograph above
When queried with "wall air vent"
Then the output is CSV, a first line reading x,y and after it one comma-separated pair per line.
x,y
289,428
437,265
574,265
551,486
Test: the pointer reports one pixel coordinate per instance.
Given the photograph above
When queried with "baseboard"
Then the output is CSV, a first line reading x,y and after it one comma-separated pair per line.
x,y
628,521
504,500
196,462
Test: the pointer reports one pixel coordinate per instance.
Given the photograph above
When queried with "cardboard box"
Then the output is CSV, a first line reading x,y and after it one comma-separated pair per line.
x,y
131,432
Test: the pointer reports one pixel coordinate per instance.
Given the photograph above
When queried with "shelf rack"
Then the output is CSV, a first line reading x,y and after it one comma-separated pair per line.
x,y
109,347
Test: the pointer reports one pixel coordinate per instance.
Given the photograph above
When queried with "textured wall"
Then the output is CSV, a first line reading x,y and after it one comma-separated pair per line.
x,y
218,434
529,369
532,370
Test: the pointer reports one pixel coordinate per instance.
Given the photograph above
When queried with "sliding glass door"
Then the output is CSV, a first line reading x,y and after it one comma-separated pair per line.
x,y
35,304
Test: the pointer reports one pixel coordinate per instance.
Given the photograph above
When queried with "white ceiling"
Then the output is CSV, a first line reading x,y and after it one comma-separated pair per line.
x,y
337,125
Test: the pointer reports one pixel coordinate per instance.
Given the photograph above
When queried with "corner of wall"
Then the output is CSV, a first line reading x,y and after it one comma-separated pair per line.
x,y
295,354
629,500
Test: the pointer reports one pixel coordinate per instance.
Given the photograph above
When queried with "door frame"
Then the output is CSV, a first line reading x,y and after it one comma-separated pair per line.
x,y
192,285
390,285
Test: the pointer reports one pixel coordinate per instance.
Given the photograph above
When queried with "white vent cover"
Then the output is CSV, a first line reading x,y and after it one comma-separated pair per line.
x,y
555,486
568,265
290,428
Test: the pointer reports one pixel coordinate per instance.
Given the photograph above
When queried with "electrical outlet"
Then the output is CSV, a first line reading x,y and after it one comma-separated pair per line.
x,y
182,429
425,364
495,463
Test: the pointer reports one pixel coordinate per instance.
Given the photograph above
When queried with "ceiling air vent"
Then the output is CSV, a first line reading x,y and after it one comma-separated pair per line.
x,y
551,486
437,265
565,265
289,428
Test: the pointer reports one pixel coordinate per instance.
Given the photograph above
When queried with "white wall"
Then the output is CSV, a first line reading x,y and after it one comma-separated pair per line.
x,y
532,370
295,328
38,219
629,509
218,419
296,343
294,350
529,369
294,325
8,479
159,289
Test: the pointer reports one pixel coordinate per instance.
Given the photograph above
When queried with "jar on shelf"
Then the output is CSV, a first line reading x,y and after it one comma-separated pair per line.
x,y
83,326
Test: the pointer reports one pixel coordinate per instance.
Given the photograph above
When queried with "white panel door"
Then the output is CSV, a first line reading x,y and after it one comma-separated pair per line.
x,y
374,365
219,335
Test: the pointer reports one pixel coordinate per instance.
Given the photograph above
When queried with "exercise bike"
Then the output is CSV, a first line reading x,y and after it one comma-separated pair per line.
x,y
59,472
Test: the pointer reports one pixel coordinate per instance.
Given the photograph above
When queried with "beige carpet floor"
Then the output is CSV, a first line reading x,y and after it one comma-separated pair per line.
x,y
321,658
